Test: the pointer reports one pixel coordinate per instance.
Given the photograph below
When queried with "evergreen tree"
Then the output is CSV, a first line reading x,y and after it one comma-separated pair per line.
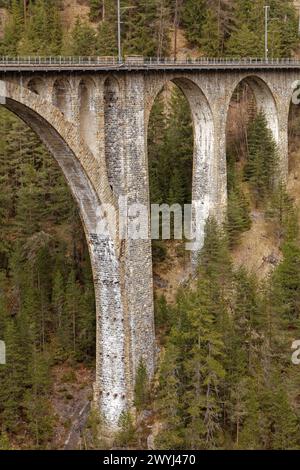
x,y
4,441
286,281
139,26
210,40
127,434
83,40
97,9
69,329
43,31
285,435
106,44
168,403
238,219
244,43
204,371
37,402
193,18
13,29
58,299
260,169
141,387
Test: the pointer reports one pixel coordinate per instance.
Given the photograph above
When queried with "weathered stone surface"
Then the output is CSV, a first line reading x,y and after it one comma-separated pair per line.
x,y
95,125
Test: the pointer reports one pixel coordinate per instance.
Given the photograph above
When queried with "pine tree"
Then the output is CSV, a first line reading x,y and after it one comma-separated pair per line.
x,y
58,299
251,434
127,434
13,29
106,44
16,372
141,387
162,312
97,9
69,330
86,323
37,402
83,40
204,371
4,441
244,43
139,26
168,402
238,218
260,169
43,32
193,18
286,282
286,424
210,39
280,210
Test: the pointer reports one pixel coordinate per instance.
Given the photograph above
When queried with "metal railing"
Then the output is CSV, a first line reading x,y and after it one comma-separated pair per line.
x,y
136,61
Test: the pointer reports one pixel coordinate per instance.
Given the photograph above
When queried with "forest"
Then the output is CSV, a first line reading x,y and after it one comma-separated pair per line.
x,y
224,378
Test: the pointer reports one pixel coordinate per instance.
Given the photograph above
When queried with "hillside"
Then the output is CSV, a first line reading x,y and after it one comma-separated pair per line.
x,y
73,9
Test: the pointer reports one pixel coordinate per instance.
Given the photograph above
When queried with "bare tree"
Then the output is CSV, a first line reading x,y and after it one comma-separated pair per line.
x,y
25,10
162,26
177,11
103,10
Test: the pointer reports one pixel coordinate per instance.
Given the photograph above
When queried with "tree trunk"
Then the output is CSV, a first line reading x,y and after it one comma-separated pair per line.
x,y
25,11
175,29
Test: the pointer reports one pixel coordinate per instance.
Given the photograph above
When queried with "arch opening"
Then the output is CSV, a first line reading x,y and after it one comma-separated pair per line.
x,y
252,138
45,275
62,97
87,114
36,85
293,167
264,101
90,193
180,161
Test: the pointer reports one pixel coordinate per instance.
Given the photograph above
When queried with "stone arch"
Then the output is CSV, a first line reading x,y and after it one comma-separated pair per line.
x,y
87,113
89,189
61,97
36,85
112,89
265,101
203,189
112,133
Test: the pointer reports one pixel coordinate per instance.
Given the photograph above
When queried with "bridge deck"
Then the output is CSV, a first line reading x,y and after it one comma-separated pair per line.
x,y
95,64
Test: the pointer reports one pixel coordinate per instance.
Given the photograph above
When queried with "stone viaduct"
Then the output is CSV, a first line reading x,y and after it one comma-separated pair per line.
x,y
93,118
